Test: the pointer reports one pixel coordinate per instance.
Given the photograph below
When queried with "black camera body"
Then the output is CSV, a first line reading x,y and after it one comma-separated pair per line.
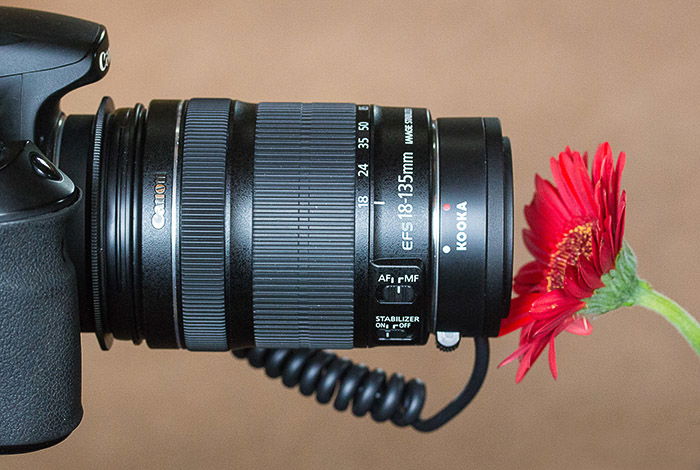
x,y
43,57
269,229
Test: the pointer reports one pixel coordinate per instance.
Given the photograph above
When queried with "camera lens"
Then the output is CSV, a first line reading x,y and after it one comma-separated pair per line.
x,y
214,224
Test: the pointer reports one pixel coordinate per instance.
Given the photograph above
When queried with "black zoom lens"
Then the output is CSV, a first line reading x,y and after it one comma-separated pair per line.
x,y
213,224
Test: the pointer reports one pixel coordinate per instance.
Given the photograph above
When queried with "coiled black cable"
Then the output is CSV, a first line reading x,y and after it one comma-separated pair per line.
x,y
369,391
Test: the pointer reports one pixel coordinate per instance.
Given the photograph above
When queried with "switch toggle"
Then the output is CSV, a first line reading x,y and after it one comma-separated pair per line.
x,y
397,294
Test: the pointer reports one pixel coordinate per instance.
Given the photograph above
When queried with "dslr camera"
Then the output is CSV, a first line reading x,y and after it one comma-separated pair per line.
x,y
273,230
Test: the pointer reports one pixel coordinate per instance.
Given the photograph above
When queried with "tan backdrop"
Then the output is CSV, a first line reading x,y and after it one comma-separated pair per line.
x,y
556,73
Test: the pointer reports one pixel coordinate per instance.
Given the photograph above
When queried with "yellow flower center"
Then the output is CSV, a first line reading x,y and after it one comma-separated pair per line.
x,y
576,242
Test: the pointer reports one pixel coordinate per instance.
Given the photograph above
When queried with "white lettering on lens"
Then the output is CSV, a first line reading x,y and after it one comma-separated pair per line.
x,y
397,318
408,126
159,188
407,236
404,192
462,226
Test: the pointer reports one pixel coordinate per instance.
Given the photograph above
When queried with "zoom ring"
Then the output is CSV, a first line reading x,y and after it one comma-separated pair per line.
x,y
202,224
304,225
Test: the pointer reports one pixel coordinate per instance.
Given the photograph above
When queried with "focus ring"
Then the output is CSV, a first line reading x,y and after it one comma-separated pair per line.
x,y
202,224
304,225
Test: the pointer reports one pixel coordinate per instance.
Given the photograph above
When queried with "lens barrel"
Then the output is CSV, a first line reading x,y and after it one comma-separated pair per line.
x,y
214,224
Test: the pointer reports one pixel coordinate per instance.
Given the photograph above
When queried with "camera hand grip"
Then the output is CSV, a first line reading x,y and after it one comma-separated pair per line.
x,y
39,334
44,56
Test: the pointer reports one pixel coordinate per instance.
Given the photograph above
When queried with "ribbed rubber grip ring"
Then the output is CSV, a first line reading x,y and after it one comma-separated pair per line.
x,y
304,225
202,224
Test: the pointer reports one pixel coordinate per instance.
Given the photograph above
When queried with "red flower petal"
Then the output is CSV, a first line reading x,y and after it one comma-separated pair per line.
x,y
580,326
548,194
519,313
514,355
564,185
576,289
552,304
531,242
602,152
580,182
553,359
528,277
620,225
589,275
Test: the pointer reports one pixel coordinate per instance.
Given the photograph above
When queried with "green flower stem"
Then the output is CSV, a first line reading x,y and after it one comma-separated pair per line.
x,y
622,287
684,322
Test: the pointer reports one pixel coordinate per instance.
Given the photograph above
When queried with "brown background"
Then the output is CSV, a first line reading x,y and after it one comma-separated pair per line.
x,y
556,73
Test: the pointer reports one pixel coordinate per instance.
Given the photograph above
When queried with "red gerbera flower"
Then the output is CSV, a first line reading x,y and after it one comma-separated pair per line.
x,y
575,235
